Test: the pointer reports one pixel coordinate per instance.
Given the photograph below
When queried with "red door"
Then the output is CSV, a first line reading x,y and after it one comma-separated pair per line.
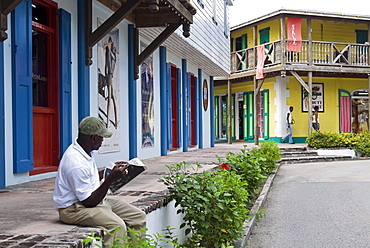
x,y
45,86
193,111
175,107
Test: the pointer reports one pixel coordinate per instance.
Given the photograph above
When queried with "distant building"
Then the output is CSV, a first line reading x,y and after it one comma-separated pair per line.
x,y
131,63
301,59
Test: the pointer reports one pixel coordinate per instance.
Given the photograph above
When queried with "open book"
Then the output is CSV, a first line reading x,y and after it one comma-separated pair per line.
x,y
135,167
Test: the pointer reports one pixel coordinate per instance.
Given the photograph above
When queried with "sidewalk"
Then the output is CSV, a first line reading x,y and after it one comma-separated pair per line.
x,y
28,208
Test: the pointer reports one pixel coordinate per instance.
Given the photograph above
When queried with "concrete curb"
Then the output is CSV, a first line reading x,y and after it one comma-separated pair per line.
x,y
258,205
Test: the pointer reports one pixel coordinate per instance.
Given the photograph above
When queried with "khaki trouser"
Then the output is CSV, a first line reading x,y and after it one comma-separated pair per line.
x,y
108,214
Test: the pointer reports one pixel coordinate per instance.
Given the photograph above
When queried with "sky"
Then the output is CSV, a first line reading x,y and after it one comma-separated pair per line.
x,y
245,10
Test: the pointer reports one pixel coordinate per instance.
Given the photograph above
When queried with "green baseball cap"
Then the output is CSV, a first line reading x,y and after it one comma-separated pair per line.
x,y
94,126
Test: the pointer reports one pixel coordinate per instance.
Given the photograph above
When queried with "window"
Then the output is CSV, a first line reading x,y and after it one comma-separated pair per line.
x,y
361,36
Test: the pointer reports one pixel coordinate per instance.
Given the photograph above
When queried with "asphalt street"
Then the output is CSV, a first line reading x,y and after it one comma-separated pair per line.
x,y
316,205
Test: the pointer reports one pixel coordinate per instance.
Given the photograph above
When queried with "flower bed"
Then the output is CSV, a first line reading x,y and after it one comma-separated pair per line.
x,y
355,143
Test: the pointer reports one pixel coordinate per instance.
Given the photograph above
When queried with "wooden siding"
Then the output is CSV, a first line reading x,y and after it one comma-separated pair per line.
x,y
206,36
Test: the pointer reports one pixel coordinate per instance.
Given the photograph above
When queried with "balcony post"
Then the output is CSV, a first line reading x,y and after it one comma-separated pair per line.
x,y
310,63
309,108
255,108
229,111
282,36
309,36
368,95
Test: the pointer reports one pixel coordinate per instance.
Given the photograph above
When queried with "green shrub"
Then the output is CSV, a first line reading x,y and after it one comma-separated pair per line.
x,y
135,239
254,165
360,141
271,152
213,204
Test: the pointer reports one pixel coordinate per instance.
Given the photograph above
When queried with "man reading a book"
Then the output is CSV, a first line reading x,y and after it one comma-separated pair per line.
x,y
79,196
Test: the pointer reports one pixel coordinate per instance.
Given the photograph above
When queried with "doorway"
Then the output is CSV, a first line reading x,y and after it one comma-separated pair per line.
x,y
45,85
175,109
360,110
241,120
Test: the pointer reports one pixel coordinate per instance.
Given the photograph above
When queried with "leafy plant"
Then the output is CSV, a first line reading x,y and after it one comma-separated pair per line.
x,y
134,239
270,152
360,141
213,204
253,165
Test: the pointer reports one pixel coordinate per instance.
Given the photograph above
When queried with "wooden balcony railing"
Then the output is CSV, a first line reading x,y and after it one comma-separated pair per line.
x,y
323,53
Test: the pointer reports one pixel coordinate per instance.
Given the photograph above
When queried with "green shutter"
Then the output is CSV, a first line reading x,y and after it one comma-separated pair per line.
x,y
250,113
361,36
233,117
217,121
264,36
244,41
245,116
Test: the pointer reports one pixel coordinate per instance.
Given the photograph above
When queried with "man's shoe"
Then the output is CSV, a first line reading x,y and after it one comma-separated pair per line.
x,y
292,143
282,141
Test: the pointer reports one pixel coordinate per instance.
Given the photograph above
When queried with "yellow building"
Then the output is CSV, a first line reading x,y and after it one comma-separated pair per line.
x,y
302,55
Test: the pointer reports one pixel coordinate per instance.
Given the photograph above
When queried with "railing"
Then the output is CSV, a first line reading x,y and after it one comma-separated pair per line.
x,y
323,53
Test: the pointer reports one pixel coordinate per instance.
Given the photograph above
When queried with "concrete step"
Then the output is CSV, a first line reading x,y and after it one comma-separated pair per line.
x,y
293,149
312,159
286,154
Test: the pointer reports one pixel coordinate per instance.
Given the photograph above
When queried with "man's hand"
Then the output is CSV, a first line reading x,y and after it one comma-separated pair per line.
x,y
118,171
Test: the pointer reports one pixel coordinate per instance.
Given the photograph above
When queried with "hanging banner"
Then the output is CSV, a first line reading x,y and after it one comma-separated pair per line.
x,y
260,61
294,34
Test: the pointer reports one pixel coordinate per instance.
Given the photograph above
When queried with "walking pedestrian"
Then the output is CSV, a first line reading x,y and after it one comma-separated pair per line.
x,y
315,118
289,124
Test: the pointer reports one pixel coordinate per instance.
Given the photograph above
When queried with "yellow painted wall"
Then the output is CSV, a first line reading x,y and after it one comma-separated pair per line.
x,y
329,119
274,32
332,31
335,31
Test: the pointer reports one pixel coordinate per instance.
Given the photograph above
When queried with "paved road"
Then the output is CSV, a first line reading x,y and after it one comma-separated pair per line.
x,y
317,205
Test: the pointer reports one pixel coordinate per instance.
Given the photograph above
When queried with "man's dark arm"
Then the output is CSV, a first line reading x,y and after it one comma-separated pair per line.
x,y
98,195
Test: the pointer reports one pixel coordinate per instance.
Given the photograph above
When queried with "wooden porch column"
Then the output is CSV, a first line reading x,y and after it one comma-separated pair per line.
x,y
309,103
368,93
255,41
282,37
229,112
310,62
255,108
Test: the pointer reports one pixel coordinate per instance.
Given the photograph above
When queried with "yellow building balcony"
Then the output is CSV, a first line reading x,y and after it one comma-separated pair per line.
x,y
317,56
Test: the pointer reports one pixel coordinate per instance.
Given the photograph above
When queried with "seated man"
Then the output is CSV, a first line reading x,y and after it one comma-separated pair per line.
x,y
78,195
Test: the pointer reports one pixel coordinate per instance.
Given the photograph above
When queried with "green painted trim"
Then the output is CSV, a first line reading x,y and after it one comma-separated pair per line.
x,y
245,116
233,117
250,109
342,93
266,114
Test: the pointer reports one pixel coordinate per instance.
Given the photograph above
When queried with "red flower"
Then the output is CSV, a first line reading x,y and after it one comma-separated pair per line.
x,y
225,166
